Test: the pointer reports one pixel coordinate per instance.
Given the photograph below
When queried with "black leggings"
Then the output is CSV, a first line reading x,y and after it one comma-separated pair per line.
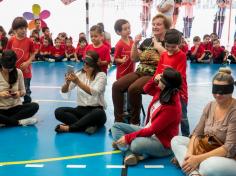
x,y
80,118
11,116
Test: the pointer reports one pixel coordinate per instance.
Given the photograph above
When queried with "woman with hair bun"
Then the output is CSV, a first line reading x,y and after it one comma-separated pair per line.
x,y
211,150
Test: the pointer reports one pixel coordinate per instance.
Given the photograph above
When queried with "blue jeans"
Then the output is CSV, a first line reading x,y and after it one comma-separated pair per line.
x,y
213,166
27,98
184,121
141,146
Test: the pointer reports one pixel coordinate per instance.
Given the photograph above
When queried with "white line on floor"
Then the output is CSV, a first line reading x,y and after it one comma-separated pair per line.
x,y
59,101
76,166
153,166
115,166
34,165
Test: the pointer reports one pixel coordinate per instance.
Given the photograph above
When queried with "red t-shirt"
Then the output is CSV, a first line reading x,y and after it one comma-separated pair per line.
x,y
233,50
36,46
177,61
80,51
207,46
104,55
70,50
217,51
58,51
23,48
200,51
123,49
45,49
184,48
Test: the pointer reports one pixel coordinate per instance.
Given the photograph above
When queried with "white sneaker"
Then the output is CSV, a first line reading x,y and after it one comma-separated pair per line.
x,y
29,121
51,60
64,60
72,59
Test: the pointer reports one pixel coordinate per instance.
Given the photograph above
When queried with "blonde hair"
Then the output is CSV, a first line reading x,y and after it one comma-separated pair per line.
x,y
224,74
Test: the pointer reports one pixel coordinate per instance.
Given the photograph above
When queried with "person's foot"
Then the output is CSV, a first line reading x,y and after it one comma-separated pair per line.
x,y
175,162
28,121
62,128
131,160
91,130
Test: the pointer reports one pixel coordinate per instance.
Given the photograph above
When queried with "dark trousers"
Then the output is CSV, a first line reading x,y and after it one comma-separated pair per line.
x,y
80,118
184,121
133,84
58,59
219,59
11,116
232,60
27,98
42,57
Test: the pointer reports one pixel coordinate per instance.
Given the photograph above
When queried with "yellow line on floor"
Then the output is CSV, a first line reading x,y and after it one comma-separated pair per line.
x,y
59,158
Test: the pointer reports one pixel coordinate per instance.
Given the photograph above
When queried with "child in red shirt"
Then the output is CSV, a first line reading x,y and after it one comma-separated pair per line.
x,y
197,51
98,46
70,50
24,49
124,64
232,57
207,45
218,53
58,52
46,34
45,50
81,47
177,60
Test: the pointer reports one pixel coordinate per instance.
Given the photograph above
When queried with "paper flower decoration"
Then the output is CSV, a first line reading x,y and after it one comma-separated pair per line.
x,y
37,14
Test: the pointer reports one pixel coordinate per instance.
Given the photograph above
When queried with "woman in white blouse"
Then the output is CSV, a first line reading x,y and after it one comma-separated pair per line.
x,y
12,88
89,115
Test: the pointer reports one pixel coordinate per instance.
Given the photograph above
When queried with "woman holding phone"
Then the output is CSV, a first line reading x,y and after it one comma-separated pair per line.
x,y
12,112
89,115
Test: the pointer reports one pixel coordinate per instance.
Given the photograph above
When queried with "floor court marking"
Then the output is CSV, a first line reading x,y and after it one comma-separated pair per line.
x,y
115,166
35,165
59,158
154,166
76,166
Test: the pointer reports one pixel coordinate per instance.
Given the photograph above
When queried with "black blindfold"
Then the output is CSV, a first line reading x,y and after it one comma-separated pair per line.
x,y
222,89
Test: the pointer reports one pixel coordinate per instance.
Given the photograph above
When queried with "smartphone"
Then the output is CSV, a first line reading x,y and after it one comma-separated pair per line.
x,y
70,68
13,93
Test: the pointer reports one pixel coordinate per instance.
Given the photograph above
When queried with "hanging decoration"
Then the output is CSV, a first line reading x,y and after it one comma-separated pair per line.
x,y
66,2
37,14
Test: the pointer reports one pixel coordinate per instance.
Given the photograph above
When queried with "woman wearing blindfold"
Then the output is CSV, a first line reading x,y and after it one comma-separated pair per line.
x,y
12,88
218,120
164,115
90,82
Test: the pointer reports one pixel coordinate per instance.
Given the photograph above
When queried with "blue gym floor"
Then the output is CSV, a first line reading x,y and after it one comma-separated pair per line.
x,y
39,151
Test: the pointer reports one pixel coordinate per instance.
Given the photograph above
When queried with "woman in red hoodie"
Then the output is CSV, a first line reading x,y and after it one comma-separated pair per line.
x,y
164,115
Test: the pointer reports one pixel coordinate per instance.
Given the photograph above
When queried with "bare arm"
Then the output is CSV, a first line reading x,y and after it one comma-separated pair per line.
x,y
134,50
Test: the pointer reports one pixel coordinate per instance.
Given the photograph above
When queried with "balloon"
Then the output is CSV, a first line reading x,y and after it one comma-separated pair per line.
x,y
44,14
28,15
36,9
31,25
43,24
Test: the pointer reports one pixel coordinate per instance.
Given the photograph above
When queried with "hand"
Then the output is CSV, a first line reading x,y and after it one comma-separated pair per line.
x,y
157,78
121,141
5,94
16,94
72,77
137,38
24,65
190,163
124,59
